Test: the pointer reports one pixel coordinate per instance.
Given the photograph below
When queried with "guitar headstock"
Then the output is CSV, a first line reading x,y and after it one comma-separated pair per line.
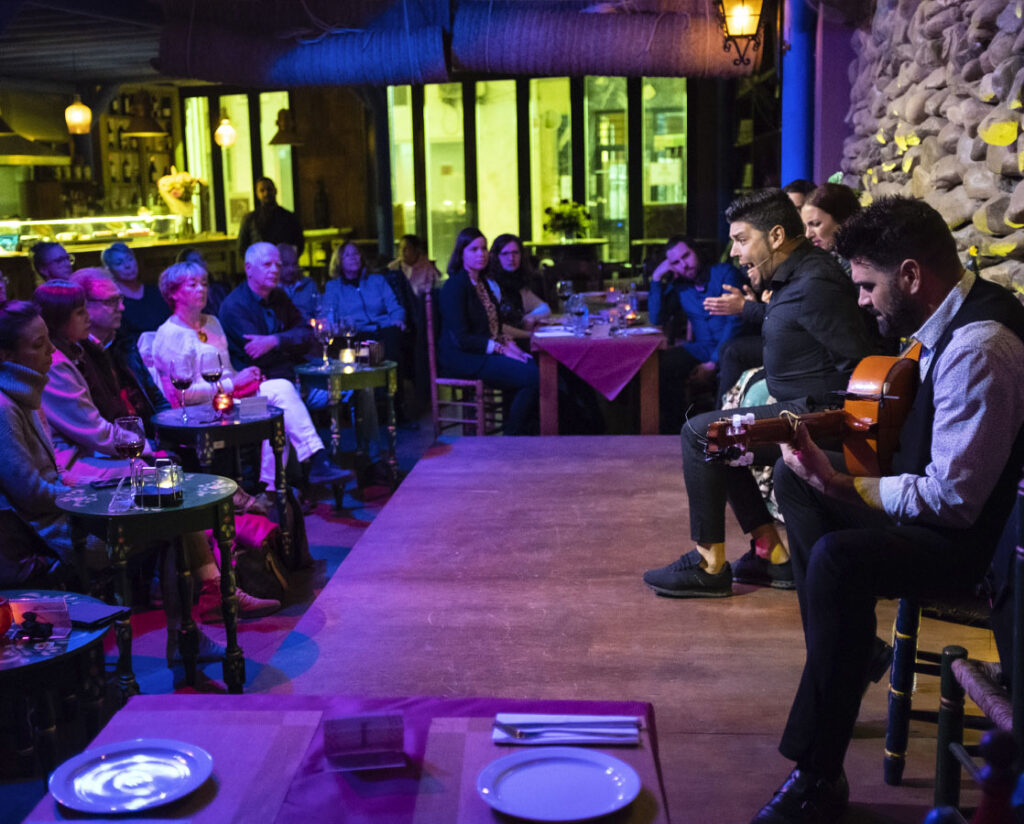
x,y
728,440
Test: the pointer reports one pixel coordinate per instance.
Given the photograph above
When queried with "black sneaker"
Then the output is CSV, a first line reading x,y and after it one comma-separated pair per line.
x,y
806,799
685,579
751,568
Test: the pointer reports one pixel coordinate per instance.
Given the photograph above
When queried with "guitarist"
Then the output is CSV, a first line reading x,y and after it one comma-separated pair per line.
x,y
813,337
931,525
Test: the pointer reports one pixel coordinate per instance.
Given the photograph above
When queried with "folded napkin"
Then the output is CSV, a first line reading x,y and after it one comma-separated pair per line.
x,y
623,730
641,330
551,331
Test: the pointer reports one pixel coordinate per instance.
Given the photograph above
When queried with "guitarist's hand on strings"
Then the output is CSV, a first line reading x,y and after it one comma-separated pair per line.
x,y
807,460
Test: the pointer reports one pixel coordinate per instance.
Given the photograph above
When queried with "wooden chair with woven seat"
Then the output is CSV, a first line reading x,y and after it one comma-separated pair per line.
x,y
472,405
997,688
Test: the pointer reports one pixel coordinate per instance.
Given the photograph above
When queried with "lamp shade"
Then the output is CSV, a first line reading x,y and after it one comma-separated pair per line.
x,y
142,123
287,134
78,116
742,17
225,135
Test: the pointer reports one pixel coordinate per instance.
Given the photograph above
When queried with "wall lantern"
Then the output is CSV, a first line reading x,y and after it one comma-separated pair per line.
x,y
287,134
78,116
142,123
225,135
741,22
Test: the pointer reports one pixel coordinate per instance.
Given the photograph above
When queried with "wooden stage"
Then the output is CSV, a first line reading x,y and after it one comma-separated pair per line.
x,y
511,567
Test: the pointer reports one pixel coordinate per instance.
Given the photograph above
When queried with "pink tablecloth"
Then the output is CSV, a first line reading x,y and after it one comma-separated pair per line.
x,y
269,760
606,363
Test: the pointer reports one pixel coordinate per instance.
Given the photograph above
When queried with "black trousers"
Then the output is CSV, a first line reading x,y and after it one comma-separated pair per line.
x,y
710,485
844,557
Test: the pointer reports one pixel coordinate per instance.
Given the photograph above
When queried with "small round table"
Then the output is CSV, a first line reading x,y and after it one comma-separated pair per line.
x,y
32,672
207,504
206,435
339,378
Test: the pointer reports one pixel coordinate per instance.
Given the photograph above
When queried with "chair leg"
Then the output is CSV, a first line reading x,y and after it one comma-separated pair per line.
x,y
950,731
901,684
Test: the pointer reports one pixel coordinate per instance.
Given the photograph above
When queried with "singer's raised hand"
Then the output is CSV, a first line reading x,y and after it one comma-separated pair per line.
x,y
730,302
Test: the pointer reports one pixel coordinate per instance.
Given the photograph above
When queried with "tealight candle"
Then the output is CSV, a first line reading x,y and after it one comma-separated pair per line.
x,y
348,370
348,355
223,403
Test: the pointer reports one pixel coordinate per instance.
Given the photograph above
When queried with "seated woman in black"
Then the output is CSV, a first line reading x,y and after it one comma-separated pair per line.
x,y
519,307
472,345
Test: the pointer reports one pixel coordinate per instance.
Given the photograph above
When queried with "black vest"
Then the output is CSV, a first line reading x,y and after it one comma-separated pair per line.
x,y
985,301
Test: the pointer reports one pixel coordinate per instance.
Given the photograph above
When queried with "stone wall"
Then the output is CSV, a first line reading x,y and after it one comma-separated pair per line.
x,y
936,113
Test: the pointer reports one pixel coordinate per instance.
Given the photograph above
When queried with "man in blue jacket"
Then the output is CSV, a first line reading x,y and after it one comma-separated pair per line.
x,y
678,288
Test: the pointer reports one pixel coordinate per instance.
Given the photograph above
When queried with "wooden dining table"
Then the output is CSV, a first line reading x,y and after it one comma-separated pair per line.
x,y
269,763
606,361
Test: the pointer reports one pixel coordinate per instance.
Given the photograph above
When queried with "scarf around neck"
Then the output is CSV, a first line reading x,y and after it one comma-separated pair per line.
x,y
22,385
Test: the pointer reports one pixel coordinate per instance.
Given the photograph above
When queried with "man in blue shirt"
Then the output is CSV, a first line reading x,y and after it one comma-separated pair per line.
x,y
678,288
301,289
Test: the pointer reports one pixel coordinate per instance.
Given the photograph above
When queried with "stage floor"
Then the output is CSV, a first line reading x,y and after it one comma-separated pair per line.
x,y
511,567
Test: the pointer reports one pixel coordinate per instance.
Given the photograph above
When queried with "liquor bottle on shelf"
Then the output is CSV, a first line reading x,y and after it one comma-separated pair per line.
x,y
126,171
165,107
152,170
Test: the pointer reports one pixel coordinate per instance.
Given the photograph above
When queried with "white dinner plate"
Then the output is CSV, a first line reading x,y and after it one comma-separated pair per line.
x,y
558,784
130,775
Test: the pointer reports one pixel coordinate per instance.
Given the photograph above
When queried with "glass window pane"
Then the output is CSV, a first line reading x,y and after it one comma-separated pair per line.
x,y
446,173
403,185
237,162
664,134
607,172
198,138
550,149
497,157
277,160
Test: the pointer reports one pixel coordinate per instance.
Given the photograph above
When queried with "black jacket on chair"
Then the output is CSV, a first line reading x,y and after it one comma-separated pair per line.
x,y
465,331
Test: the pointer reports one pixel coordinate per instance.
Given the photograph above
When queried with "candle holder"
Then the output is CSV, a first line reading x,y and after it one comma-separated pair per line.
x,y
161,485
223,402
348,356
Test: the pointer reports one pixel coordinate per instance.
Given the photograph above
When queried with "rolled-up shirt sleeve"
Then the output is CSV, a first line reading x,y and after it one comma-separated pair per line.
x,y
979,392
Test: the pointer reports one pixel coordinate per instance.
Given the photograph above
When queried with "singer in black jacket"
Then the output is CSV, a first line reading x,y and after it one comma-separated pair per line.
x,y
813,335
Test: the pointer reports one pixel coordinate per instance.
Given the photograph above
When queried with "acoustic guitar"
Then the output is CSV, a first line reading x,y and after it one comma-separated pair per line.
x,y
877,400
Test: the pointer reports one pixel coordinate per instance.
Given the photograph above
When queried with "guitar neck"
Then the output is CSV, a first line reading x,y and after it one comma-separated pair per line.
x,y
828,424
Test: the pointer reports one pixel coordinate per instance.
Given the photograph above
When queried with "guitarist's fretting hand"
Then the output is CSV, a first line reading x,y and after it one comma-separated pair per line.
x,y
807,460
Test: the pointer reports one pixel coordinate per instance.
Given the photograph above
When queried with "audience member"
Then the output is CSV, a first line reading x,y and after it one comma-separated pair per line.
x,y
269,222
3,288
933,523
29,483
263,327
216,288
364,298
519,306
118,369
473,345
813,337
83,439
51,261
797,191
144,309
679,286
302,290
190,334
419,270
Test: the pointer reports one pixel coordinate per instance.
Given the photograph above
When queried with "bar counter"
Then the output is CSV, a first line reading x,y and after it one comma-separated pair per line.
x,y
154,255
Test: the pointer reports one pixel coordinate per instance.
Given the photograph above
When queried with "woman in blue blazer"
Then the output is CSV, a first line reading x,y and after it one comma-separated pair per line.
x,y
472,345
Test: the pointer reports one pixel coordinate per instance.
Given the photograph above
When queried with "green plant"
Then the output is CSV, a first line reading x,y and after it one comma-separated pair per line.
x,y
568,217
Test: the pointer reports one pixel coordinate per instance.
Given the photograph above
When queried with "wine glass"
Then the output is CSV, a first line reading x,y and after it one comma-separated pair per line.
x,y
211,367
129,442
564,290
182,371
324,329
347,329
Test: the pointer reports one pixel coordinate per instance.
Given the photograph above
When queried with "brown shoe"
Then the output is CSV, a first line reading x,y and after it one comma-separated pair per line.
x,y
248,605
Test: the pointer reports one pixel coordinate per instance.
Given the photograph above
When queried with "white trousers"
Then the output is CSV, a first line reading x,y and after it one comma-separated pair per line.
x,y
298,427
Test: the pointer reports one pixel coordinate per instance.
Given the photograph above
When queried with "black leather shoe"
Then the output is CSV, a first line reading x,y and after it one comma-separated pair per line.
x,y
805,798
